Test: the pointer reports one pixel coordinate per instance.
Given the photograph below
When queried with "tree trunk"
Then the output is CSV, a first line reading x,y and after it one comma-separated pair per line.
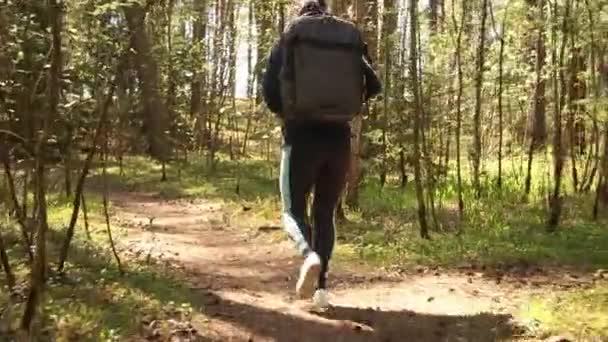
x,y
601,198
591,163
67,172
402,168
556,202
38,271
424,233
198,34
198,97
172,84
576,92
250,78
501,56
77,201
10,277
460,27
366,18
264,15
38,274
388,28
20,214
500,112
85,214
538,126
478,100
434,4
106,196
156,115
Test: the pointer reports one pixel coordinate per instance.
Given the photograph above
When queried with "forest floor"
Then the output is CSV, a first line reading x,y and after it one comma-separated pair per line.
x,y
245,279
205,260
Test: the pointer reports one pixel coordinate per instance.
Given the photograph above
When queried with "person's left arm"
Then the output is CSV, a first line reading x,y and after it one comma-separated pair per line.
x,y
271,83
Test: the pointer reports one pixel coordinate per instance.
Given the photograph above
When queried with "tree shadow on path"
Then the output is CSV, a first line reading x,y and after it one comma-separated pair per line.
x,y
358,324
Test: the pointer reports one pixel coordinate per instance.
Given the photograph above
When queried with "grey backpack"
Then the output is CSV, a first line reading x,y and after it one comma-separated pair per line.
x,y
322,75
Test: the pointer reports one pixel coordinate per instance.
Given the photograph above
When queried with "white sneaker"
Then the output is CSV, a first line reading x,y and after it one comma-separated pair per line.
x,y
321,300
309,275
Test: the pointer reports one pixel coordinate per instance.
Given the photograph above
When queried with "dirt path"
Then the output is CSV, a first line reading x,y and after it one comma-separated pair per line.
x,y
248,285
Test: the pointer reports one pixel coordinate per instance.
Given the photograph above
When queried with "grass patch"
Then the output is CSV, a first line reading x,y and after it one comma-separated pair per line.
x,y
226,180
581,314
501,227
496,230
92,301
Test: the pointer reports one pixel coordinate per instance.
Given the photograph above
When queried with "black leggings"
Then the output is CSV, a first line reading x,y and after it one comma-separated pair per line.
x,y
321,164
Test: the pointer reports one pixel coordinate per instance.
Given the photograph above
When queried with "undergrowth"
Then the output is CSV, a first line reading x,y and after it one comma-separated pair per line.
x,y
93,302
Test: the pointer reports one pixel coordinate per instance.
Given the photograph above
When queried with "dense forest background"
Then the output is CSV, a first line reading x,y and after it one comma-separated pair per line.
x,y
489,141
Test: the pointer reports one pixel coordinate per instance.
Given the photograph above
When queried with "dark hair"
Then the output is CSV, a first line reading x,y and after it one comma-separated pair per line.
x,y
313,6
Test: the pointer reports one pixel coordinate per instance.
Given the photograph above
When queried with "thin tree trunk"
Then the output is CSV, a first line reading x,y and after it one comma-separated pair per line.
x,y
106,195
402,168
264,15
250,78
589,169
459,103
17,208
528,184
85,214
448,149
556,202
68,170
83,175
38,274
389,26
430,175
198,96
478,100
538,127
366,17
10,277
601,194
596,94
501,56
171,89
424,233
500,112
576,92
26,181
434,9
572,111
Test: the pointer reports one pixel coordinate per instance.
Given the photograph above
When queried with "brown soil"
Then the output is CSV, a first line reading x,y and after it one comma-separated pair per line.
x,y
247,284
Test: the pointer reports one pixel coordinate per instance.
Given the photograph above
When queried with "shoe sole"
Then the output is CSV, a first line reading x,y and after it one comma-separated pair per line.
x,y
306,284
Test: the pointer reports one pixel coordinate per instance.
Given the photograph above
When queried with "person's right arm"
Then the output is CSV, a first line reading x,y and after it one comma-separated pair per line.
x,y
373,86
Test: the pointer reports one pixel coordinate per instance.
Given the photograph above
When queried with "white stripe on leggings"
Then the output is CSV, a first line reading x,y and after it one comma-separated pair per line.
x,y
289,223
